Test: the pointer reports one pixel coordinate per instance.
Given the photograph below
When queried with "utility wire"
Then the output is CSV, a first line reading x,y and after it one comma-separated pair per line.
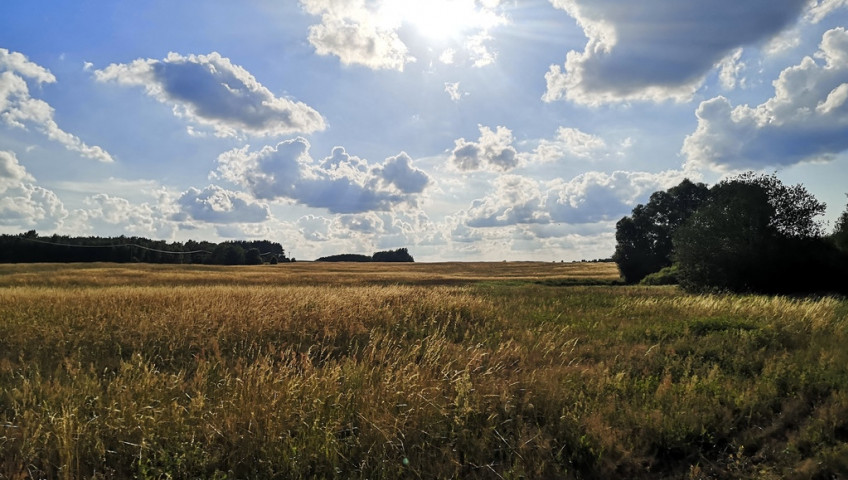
x,y
116,245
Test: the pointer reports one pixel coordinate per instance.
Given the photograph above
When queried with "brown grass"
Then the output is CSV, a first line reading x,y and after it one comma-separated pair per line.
x,y
380,371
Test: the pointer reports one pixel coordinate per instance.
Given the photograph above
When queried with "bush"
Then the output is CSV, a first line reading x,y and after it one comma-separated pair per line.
x,y
666,276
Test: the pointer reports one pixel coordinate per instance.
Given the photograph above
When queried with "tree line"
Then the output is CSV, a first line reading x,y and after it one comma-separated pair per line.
x,y
399,255
749,233
29,247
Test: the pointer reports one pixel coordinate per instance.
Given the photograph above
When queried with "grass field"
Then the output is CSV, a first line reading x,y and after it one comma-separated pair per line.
x,y
513,370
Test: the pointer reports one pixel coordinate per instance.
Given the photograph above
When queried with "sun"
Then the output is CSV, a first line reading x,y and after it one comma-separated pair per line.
x,y
439,20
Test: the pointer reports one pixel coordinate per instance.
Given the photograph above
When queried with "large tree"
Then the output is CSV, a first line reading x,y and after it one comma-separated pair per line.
x,y
644,239
755,234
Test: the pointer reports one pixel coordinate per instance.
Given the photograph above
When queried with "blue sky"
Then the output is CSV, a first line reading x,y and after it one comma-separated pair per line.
x,y
460,129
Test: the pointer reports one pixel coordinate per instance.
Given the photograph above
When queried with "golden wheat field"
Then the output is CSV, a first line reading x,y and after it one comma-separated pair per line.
x,y
382,371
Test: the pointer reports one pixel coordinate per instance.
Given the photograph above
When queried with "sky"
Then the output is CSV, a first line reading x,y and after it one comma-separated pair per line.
x,y
463,130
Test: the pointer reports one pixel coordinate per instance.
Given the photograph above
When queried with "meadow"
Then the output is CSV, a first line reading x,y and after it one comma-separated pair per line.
x,y
380,371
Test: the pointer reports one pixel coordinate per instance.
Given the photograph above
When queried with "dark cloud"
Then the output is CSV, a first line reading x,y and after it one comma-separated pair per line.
x,y
212,91
659,49
398,171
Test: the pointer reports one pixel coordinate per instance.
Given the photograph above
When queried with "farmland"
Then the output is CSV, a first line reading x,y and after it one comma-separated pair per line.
x,y
490,370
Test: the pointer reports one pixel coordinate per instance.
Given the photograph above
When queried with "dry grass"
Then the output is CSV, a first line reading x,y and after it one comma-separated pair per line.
x,y
424,371
299,273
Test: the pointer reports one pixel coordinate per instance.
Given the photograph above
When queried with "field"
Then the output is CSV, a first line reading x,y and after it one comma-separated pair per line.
x,y
378,371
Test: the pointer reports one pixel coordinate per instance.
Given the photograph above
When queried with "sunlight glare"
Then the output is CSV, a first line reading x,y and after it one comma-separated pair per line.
x,y
439,19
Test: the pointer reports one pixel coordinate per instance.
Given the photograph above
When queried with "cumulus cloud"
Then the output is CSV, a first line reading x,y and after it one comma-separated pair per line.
x,y
806,119
12,173
353,32
493,150
19,109
212,91
398,171
591,197
367,32
571,143
23,205
659,49
341,183
214,204
29,206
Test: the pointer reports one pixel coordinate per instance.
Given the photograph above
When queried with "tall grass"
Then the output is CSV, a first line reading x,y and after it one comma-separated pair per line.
x,y
176,378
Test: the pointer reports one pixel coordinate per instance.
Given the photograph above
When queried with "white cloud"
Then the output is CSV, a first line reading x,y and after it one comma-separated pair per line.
x,y
571,142
819,9
658,49
341,183
12,173
19,109
354,32
211,91
452,89
731,70
493,150
589,198
32,207
367,32
214,204
806,119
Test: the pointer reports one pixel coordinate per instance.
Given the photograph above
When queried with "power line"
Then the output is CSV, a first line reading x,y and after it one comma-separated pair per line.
x,y
117,245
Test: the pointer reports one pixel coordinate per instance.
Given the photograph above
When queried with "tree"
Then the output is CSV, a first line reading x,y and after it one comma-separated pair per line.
x,y
724,244
253,257
840,233
755,235
227,254
644,239
399,255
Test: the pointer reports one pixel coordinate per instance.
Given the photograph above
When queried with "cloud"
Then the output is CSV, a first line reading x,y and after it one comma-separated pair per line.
x,y
659,49
573,143
29,206
819,9
806,119
493,150
589,198
731,69
367,32
211,91
214,204
398,171
452,89
12,173
353,32
340,183
19,109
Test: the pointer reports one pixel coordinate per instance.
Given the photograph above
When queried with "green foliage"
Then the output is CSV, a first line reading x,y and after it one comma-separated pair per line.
x,y
253,257
756,235
30,248
666,276
840,232
644,239
345,257
399,255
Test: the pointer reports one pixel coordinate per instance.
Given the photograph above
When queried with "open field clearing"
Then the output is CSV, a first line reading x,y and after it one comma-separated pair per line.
x,y
514,370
